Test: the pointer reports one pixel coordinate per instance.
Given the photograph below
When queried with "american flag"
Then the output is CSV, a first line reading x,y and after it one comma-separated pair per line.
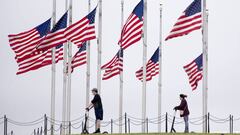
x,y
132,29
114,66
80,58
24,43
55,37
190,20
79,32
33,62
41,59
152,67
83,30
194,71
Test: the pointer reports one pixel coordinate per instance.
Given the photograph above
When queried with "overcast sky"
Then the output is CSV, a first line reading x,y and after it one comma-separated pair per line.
x,y
26,97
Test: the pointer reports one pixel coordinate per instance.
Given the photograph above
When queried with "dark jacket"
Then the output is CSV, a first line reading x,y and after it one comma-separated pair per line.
x,y
184,107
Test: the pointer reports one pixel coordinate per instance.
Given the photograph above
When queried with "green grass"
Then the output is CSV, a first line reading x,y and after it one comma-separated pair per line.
x,y
171,134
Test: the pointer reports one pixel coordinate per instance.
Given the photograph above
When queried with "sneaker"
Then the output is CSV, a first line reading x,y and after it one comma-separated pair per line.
x,y
97,131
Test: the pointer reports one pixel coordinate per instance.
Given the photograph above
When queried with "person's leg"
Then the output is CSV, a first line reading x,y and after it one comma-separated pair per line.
x,y
98,124
97,121
186,124
99,117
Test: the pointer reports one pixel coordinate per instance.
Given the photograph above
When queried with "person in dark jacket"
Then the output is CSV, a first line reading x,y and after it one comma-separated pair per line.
x,y
184,112
96,103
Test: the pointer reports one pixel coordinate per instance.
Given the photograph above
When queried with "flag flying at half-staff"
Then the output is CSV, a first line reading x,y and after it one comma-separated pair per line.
x,y
80,58
41,59
152,67
132,29
56,37
114,66
190,20
83,30
194,71
24,43
79,32
35,61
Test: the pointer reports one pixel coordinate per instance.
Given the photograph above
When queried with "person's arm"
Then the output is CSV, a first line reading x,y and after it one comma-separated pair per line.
x,y
181,106
89,107
95,99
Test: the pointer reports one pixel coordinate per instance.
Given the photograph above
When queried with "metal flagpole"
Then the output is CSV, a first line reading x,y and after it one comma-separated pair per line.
x,y
121,76
88,66
205,62
99,60
160,74
144,66
64,82
88,63
53,72
69,71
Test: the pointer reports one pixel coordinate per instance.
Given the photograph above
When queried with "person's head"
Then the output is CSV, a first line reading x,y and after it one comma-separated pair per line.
x,y
182,96
94,91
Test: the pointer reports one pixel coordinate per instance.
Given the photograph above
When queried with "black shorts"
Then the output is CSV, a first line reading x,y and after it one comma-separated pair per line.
x,y
99,114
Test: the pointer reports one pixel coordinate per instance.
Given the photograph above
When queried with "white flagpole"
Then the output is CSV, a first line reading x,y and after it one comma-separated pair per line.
x,y
69,71
53,72
121,76
88,66
160,74
205,62
99,60
64,102
144,66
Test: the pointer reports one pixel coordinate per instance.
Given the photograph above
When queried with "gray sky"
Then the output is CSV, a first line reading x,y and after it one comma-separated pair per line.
x,y
27,97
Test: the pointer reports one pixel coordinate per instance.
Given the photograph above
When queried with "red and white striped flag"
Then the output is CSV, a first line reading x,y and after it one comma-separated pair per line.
x,y
25,42
80,58
83,30
114,66
189,21
40,60
194,71
55,37
132,30
152,67
79,32
29,61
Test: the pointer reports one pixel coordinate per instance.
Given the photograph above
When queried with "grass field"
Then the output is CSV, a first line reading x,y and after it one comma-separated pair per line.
x,y
173,134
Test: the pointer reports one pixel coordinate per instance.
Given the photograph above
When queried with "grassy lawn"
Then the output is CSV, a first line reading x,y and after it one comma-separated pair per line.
x,y
172,134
